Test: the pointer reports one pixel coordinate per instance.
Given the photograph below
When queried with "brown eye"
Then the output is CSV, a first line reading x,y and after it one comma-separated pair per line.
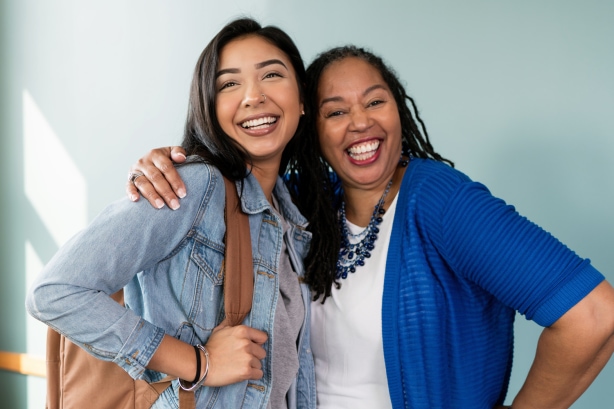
x,y
273,75
227,85
334,113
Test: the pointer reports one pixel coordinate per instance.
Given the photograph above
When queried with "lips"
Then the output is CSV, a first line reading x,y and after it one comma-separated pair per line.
x,y
363,151
259,123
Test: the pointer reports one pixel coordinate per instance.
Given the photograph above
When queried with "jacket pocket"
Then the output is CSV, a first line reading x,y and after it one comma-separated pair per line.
x,y
202,291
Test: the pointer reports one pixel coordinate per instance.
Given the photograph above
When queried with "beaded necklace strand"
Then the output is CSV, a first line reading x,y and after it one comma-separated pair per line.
x,y
352,255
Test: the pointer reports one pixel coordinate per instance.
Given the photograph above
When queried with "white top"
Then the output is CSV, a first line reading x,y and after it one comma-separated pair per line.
x,y
346,333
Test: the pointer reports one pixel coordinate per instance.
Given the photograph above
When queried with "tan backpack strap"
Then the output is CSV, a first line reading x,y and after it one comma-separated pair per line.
x,y
146,394
54,369
238,265
161,385
186,400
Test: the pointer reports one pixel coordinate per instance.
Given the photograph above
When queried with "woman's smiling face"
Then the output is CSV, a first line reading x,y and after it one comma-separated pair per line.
x,y
258,102
358,124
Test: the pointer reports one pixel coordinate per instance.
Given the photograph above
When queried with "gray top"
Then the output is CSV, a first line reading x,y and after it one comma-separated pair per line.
x,y
289,316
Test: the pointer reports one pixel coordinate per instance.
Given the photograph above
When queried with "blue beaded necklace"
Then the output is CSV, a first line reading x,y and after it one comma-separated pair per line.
x,y
352,255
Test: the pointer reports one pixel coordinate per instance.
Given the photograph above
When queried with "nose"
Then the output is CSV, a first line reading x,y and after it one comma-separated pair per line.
x,y
253,96
359,120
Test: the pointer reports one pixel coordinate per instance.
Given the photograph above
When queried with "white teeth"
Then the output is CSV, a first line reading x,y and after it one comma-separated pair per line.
x,y
267,120
363,151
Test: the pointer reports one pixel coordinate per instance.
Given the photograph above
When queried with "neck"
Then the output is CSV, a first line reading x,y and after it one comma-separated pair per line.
x,y
266,177
359,203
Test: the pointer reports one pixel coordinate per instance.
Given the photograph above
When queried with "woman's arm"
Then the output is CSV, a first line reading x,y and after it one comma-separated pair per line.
x,y
571,353
162,183
72,292
71,295
235,355
529,270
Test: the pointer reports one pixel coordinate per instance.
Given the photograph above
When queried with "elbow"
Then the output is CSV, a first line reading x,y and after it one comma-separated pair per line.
x,y
590,322
609,325
32,303
607,308
602,316
39,302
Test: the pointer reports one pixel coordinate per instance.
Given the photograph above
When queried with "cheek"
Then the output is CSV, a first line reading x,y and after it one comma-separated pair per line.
x,y
327,148
224,114
293,106
291,101
329,135
394,121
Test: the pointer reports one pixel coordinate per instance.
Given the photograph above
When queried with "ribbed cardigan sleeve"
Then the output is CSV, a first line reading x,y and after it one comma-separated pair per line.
x,y
488,242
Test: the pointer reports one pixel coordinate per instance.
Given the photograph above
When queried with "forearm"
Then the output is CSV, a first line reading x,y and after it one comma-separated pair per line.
x,y
175,358
570,355
560,374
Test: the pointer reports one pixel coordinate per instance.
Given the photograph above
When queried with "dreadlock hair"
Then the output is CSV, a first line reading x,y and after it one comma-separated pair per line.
x,y
203,134
311,166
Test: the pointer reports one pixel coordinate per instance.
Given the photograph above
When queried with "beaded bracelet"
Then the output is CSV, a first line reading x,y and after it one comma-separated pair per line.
x,y
196,385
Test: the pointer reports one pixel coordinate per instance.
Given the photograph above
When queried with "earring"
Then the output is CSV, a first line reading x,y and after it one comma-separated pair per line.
x,y
302,112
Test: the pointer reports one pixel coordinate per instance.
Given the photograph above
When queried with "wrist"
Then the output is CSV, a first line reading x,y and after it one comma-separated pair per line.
x,y
202,371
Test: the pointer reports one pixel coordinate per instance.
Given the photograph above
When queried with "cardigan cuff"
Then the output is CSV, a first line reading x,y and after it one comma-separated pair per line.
x,y
578,287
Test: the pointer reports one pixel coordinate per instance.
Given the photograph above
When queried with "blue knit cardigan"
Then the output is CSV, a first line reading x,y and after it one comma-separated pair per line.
x,y
460,264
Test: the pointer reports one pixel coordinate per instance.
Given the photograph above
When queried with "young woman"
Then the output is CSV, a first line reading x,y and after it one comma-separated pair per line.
x,y
432,259
246,103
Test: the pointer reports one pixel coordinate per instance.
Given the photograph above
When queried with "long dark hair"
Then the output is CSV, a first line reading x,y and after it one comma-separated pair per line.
x,y
311,167
203,133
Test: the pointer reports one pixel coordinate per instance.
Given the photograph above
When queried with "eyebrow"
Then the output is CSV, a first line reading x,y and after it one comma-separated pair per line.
x,y
258,66
338,99
270,62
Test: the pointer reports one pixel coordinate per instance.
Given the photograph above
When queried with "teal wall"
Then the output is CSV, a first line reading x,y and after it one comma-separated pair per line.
x,y
12,285
519,94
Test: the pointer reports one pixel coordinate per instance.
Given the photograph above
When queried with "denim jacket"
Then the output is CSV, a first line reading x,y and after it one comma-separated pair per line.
x,y
170,263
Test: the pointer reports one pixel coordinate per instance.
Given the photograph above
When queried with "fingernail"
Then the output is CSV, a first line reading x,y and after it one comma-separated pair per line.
x,y
181,192
181,154
159,203
174,204
134,197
